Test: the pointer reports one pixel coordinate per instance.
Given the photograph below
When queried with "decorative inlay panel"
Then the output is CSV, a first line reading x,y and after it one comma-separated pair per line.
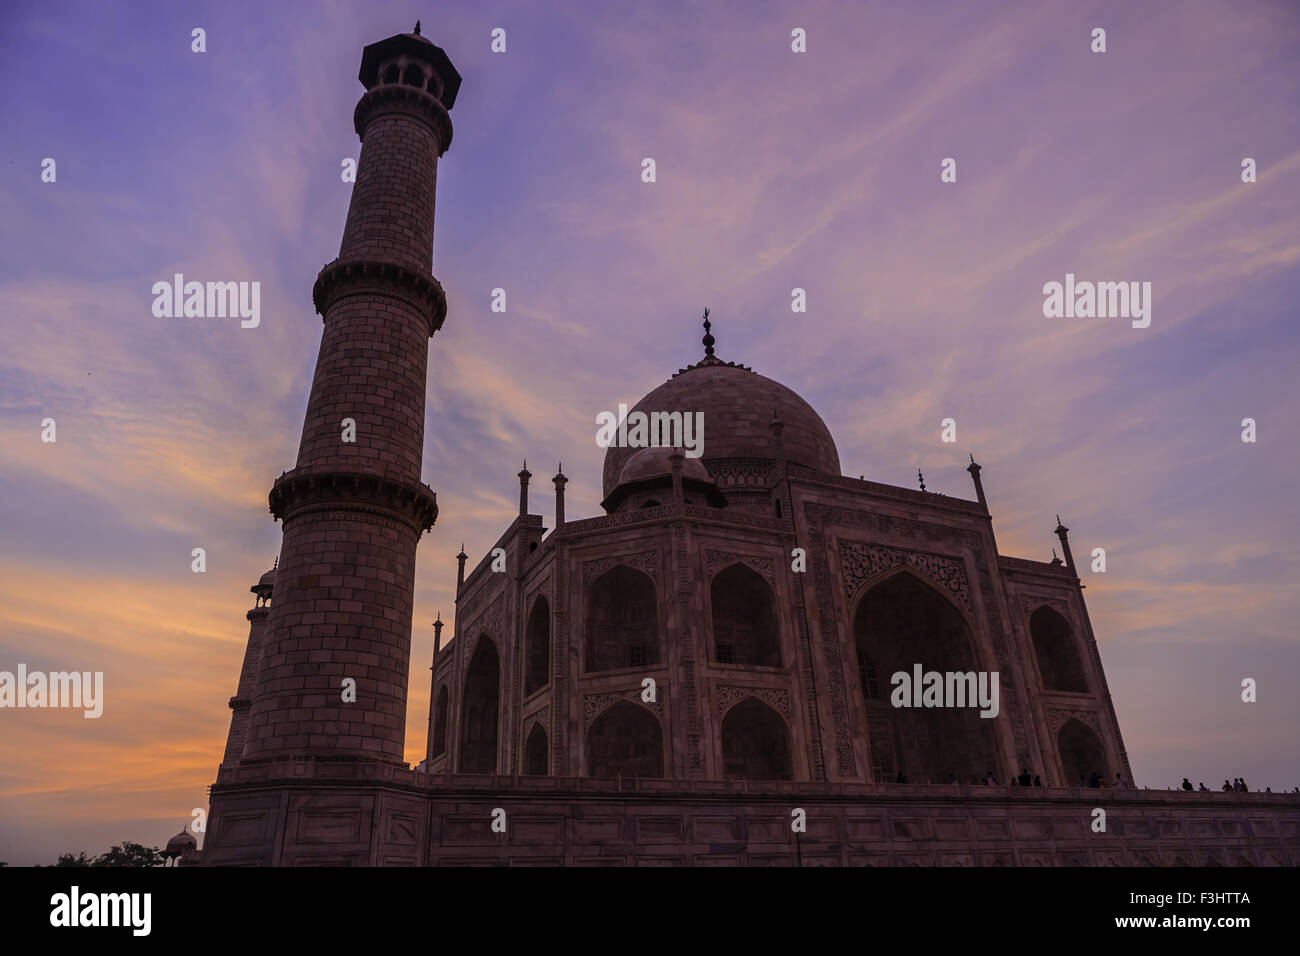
x,y
864,561
715,560
1031,602
593,705
647,561
727,696
1058,718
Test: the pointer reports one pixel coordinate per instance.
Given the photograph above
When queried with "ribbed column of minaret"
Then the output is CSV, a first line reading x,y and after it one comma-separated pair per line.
x,y
354,510
243,699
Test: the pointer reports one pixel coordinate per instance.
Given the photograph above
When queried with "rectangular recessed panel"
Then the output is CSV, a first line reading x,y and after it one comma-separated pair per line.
x,y
865,829
1030,828
992,829
912,828
461,831
244,829
402,828
767,829
596,830
951,829
532,831
658,830
715,830
329,826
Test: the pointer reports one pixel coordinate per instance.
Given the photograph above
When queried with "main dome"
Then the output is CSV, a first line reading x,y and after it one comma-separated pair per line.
x,y
737,404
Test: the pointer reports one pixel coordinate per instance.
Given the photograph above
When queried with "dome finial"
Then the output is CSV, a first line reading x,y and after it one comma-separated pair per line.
x,y
708,336
417,28
276,564
921,478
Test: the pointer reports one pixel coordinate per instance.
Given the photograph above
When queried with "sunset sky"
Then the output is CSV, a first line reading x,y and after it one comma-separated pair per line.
x,y
775,170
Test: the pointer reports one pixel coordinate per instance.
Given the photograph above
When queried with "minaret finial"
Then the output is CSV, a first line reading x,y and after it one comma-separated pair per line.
x,y
921,478
708,336
417,28
276,564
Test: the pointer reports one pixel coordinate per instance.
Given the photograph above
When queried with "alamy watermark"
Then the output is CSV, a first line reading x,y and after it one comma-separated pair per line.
x,y
216,300
83,689
1101,300
923,688
684,430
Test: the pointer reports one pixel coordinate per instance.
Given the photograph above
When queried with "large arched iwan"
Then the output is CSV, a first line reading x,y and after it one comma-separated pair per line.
x,y
902,621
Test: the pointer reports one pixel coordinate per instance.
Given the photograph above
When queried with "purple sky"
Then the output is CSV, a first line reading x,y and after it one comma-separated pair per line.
x,y
775,170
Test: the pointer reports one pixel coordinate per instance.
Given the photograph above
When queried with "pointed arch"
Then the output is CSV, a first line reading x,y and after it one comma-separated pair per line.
x,y
622,621
1081,752
440,723
744,618
537,755
901,620
537,647
479,725
625,741
756,743
1056,651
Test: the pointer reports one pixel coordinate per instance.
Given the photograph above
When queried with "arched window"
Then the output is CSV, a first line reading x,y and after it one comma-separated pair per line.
x,y
1054,647
537,756
537,647
622,621
414,76
625,741
901,622
756,743
1081,752
478,741
440,723
744,623
391,73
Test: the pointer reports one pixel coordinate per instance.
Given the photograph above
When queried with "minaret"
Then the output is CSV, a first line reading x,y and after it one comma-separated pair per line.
x,y
354,507
559,481
523,477
243,698
433,703
974,470
1061,532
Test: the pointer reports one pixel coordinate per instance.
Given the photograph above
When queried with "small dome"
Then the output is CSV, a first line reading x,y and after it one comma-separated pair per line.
x,y
266,580
655,462
181,844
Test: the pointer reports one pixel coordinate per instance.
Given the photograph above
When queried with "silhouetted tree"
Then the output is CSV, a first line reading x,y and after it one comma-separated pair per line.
x,y
124,854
